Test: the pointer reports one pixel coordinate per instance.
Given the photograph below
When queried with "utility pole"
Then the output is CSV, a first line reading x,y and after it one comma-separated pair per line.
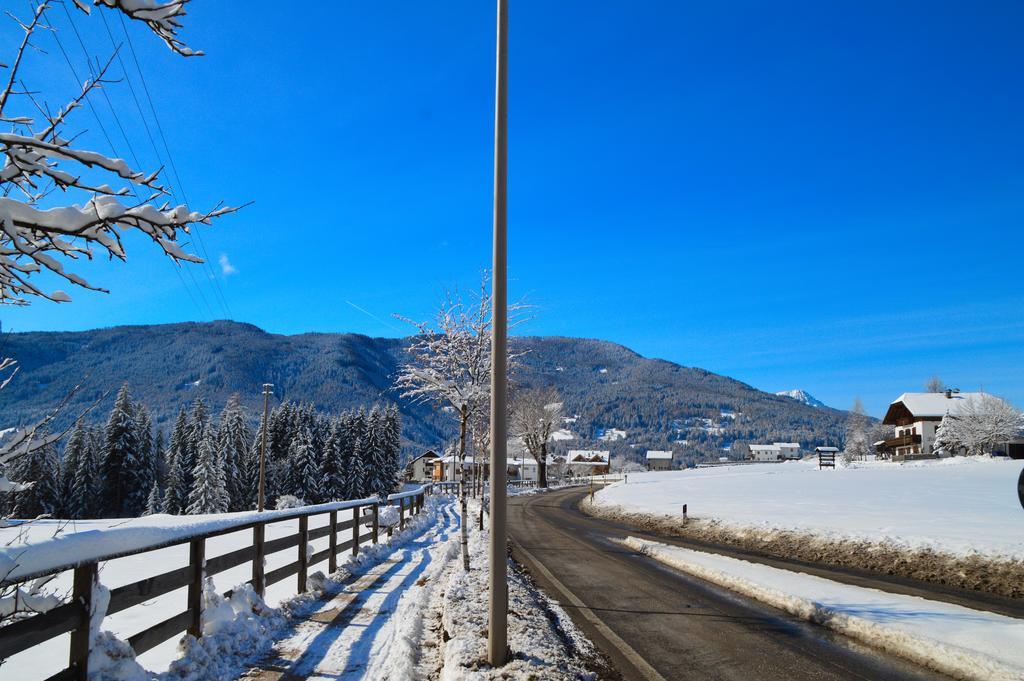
x,y
497,619
267,387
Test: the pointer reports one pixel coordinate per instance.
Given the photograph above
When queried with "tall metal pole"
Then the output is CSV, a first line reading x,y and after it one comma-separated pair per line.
x,y
263,447
497,620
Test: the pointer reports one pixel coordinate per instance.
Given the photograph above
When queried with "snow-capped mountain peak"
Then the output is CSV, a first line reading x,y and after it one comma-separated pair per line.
x,y
801,396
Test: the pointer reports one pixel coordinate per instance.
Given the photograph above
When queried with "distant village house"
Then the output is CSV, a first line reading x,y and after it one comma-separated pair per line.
x,y
421,469
659,460
777,451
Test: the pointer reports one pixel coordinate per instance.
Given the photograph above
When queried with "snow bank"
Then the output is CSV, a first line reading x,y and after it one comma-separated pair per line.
x,y
959,506
953,640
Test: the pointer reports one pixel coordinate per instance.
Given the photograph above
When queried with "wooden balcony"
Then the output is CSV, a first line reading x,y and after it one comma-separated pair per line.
x,y
901,441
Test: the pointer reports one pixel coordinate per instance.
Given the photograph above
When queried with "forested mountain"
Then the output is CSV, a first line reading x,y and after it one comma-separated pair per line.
x,y
612,389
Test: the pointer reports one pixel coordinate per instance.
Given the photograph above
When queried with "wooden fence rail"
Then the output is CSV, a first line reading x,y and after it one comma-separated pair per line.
x,y
73,617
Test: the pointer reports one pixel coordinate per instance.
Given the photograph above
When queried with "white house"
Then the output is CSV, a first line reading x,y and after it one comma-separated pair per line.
x,y
659,460
777,451
916,416
421,469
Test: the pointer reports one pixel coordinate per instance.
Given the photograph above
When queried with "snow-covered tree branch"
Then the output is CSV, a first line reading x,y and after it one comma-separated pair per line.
x,y
40,159
979,426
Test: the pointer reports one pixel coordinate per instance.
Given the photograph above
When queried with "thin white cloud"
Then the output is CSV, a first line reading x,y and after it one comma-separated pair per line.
x,y
226,268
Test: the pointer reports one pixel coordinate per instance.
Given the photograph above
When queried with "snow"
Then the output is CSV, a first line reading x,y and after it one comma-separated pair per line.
x,y
661,454
937,404
960,505
951,639
612,434
563,434
801,396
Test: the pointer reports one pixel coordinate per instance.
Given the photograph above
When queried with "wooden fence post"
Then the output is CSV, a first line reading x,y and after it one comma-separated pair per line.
x,y
78,660
401,513
258,533
376,522
332,562
355,531
197,559
303,553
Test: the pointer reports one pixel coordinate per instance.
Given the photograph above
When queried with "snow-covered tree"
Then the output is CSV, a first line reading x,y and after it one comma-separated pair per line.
x,y
536,415
75,448
334,467
120,465
451,366
41,468
393,444
179,467
209,491
234,441
356,482
155,503
377,468
305,479
42,159
86,497
979,426
857,446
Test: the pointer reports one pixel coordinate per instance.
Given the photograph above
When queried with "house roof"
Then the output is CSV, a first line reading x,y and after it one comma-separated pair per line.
x,y
596,456
429,452
659,454
826,449
765,448
787,444
929,405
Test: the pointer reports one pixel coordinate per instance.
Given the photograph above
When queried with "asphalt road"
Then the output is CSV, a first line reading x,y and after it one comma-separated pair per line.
x,y
658,624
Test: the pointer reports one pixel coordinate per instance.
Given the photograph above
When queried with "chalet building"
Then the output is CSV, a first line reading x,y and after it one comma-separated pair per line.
x,y
659,460
588,461
448,469
915,417
421,469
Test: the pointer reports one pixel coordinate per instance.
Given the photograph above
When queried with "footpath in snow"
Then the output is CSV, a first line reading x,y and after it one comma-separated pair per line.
x,y
958,641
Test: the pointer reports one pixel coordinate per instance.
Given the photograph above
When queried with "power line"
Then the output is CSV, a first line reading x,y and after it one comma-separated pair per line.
x,y
113,148
174,167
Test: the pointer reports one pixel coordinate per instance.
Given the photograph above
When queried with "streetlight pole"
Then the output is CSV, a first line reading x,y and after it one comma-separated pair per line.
x,y
497,619
263,447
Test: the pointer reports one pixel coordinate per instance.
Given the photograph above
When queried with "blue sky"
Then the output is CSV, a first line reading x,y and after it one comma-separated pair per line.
x,y
792,194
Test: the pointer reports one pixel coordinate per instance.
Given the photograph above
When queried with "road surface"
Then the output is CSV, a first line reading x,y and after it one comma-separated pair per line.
x,y
658,624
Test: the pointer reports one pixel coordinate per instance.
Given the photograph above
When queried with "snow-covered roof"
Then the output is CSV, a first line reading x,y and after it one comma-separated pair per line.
x,y
588,456
787,444
659,454
826,449
765,448
933,405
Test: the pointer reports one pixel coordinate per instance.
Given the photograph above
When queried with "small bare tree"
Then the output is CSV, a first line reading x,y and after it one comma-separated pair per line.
x,y
536,415
856,446
934,385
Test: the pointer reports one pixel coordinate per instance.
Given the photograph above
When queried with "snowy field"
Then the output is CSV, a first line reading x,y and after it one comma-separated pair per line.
x,y
954,640
959,506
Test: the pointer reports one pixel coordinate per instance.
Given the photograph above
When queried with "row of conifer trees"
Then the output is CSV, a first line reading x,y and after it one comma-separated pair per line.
x,y
125,469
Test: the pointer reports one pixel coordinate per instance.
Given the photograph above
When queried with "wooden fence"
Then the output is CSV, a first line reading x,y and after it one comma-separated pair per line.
x,y
73,616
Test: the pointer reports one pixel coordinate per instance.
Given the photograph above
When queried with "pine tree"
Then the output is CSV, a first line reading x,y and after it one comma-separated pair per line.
x,y
251,471
41,468
86,498
120,458
374,456
142,476
78,442
233,446
179,467
209,492
154,504
356,488
159,460
333,472
393,444
304,474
